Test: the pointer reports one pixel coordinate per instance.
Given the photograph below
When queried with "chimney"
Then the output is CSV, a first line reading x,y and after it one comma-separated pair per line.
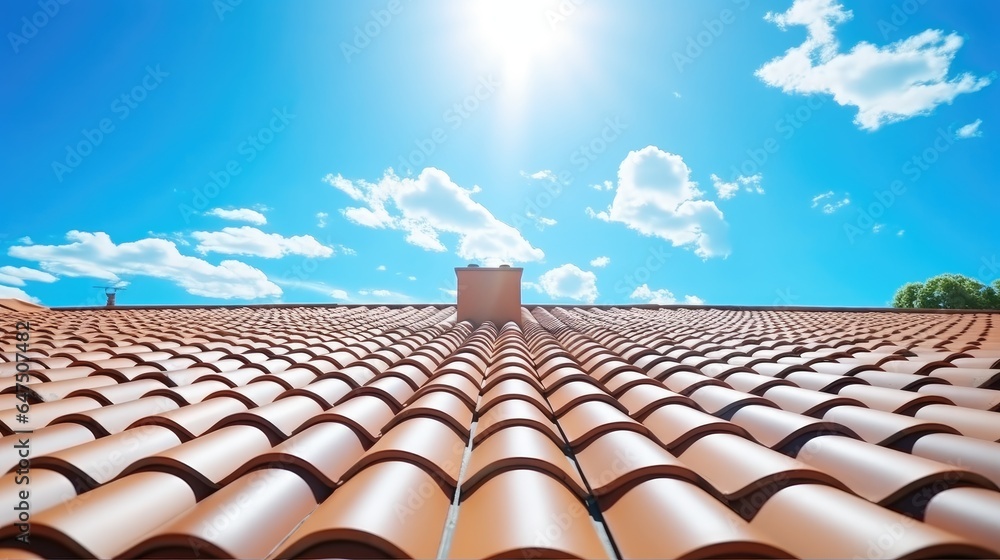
x,y
489,294
111,292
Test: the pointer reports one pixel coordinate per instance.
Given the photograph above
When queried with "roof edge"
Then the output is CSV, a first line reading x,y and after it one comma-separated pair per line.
x,y
529,306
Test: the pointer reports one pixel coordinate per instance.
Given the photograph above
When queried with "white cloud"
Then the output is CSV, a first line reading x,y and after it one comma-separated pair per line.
x,y
605,186
543,175
567,281
677,95
901,232
176,236
94,255
830,206
411,278
546,222
383,296
820,198
6,292
887,84
449,292
317,287
970,130
251,241
656,196
662,296
380,268
723,189
344,250
381,293
877,228
16,276
750,184
431,204
240,215
321,219
25,240
600,262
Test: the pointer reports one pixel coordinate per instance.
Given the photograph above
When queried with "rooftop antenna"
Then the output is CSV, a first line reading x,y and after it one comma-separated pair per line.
x,y
110,291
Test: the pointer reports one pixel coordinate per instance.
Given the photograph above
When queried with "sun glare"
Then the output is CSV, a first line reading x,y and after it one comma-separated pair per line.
x,y
522,37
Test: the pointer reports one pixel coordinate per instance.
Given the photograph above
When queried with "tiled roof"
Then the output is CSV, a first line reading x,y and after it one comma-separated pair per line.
x,y
353,431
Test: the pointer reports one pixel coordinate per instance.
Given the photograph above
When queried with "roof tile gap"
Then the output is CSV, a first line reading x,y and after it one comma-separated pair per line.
x,y
597,518
452,520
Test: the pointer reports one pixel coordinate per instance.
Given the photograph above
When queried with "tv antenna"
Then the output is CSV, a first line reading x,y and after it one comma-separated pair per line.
x,y
111,292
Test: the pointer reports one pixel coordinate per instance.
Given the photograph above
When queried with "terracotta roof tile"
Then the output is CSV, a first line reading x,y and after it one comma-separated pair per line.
x,y
976,455
206,461
91,464
252,533
689,522
516,412
642,399
852,527
573,393
618,460
804,401
784,431
547,520
278,419
309,455
345,431
425,442
972,513
746,474
520,447
968,397
677,426
43,414
897,480
50,489
106,521
43,441
979,424
193,420
406,521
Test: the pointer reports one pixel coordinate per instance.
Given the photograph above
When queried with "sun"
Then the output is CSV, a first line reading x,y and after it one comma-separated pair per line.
x,y
521,37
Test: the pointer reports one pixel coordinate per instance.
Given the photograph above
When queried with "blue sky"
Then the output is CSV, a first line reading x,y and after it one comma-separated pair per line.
x,y
786,152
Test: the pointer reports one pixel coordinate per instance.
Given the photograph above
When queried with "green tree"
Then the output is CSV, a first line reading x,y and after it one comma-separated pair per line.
x,y
949,291
907,295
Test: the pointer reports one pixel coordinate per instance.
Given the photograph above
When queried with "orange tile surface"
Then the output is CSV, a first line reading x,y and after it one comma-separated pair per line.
x,y
613,432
